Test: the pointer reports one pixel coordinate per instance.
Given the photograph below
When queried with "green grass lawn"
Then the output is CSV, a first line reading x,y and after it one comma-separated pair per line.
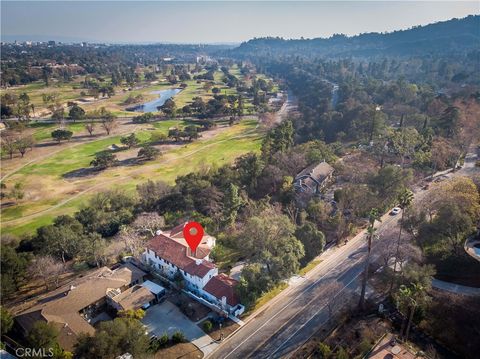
x,y
42,131
220,149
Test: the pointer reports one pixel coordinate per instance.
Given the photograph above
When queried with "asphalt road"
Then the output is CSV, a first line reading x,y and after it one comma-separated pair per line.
x,y
288,321
298,312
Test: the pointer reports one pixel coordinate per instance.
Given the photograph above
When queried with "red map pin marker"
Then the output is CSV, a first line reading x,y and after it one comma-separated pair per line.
x,y
193,234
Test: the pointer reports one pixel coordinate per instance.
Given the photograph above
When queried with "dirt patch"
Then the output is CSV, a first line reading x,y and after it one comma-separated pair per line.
x,y
357,336
191,308
226,329
181,350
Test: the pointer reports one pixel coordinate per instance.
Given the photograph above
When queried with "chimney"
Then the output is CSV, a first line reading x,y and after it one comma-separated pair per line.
x,y
158,232
198,261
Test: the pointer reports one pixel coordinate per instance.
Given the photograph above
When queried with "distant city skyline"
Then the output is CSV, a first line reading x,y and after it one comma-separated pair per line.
x,y
214,21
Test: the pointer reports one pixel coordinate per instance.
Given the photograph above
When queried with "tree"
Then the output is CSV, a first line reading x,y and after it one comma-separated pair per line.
x,y
312,239
106,212
130,140
47,268
9,142
61,134
148,152
76,113
64,239
405,200
408,299
324,351
278,139
133,241
90,127
232,202
249,168
268,239
388,183
6,322
191,132
14,269
114,338
17,192
24,143
148,223
43,335
373,217
108,124
150,193
169,108
103,160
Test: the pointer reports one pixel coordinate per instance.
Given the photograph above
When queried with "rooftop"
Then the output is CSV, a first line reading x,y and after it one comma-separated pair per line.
x,y
223,286
317,171
63,305
178,254
134,298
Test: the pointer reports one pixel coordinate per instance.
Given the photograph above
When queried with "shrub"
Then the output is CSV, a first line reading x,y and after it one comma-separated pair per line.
x,y
178,337
148,152
207,326
324,350
60,135
163,340
103,160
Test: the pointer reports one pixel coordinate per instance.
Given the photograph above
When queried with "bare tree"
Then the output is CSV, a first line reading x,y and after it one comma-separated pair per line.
x,y
24,143
9,143
335,297
148,223
48,269
109,124
90,127
133,242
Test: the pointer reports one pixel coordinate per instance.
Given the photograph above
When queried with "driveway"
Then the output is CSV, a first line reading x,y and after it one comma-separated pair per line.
x,y
167,318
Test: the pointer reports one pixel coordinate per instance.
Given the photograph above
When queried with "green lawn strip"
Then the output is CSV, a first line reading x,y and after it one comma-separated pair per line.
x,y
265,298
44,130
309,267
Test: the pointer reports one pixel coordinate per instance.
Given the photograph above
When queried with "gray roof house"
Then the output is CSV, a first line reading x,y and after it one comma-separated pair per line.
x,y
313,179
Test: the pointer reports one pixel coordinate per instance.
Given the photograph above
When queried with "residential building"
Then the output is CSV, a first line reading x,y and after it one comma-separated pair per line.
x,y
169,254
313,179
73,309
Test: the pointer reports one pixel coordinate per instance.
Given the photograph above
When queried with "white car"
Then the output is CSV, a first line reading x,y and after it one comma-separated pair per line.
x,y
395,211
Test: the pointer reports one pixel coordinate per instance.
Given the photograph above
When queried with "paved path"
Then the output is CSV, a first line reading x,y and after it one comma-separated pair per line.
x,y
167,318
455,288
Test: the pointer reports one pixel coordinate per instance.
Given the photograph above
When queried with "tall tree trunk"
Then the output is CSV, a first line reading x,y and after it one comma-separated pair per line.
x,y
361,304
396,253
410,318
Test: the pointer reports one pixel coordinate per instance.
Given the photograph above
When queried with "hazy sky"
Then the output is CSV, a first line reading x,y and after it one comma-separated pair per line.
x,y
215,21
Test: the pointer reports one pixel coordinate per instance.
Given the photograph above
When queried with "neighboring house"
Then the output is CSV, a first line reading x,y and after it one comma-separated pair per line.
x,y
313,179
74,308
168,254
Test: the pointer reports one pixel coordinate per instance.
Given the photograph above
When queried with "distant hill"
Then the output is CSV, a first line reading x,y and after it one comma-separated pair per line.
x,y
442,37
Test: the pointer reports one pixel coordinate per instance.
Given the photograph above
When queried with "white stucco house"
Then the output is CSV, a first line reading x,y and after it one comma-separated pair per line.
x,y
168,254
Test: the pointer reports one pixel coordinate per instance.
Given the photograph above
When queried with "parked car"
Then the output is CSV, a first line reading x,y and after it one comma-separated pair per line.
x,y
395,211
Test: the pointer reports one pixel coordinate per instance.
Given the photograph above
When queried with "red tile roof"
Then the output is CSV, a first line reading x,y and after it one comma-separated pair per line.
x,y
222,286
175,253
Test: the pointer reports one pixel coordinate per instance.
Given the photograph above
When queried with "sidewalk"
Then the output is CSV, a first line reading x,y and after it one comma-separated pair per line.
x,y
455,288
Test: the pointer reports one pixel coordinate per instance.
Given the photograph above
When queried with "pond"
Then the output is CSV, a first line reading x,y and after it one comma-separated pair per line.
x,y
152,106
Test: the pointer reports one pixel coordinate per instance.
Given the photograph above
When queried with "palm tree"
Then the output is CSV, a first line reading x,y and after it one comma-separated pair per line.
x,y
410,298
405,199
372,217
